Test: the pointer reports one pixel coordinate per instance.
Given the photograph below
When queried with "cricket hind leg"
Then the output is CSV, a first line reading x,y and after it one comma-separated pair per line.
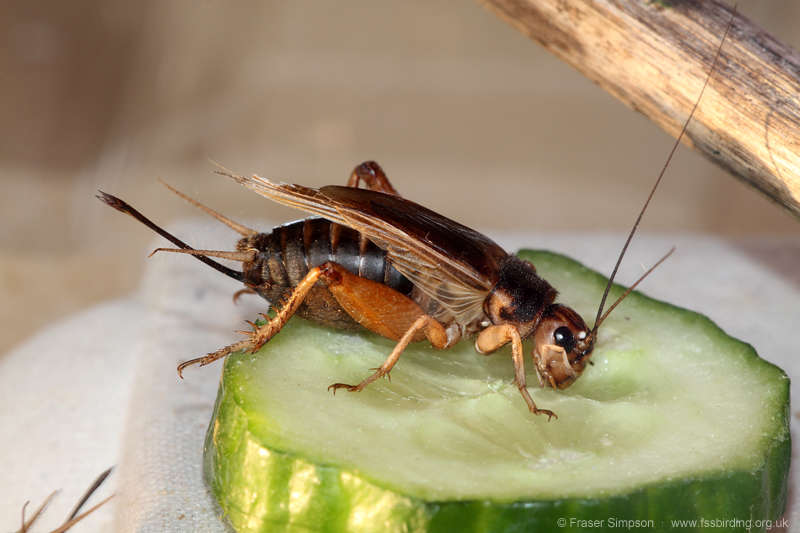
x,y
384,311
375,306
373,177
432,329
260,335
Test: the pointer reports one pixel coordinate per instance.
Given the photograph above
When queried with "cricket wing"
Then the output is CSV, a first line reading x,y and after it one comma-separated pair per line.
x,y
453,264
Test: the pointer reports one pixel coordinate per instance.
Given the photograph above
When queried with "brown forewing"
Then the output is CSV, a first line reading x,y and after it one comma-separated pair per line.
x,y
450,262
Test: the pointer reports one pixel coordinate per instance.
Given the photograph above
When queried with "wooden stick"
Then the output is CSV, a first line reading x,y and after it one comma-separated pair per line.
x,y
655,55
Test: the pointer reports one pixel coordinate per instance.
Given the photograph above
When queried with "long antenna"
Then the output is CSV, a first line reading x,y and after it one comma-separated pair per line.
x,y
600,317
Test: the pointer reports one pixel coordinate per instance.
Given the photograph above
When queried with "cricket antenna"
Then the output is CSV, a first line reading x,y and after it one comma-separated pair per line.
x,y
600,316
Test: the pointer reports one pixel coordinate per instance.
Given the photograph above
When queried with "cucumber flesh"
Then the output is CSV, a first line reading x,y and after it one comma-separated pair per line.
x,y
675,421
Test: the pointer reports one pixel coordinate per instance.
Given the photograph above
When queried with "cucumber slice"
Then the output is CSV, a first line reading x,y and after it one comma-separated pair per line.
x,y
676,421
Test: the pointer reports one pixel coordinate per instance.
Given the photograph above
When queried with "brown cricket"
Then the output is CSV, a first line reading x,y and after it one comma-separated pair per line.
x,y
372,259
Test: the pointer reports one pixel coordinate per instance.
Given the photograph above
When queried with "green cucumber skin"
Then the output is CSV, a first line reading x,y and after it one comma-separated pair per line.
x,y
231,459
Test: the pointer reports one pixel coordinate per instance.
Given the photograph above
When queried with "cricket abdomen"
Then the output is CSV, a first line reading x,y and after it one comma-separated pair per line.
x,y
285,256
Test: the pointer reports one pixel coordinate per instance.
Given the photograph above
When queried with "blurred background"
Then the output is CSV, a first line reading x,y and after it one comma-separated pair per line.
x,y
465,115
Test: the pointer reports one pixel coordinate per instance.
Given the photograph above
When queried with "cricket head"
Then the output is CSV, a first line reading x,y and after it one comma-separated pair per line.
x,y
563,345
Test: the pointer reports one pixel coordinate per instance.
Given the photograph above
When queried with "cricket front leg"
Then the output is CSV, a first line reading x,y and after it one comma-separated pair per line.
x,y
259,335
493,338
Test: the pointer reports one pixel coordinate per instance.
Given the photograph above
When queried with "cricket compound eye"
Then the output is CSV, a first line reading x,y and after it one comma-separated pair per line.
x,y
564,338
